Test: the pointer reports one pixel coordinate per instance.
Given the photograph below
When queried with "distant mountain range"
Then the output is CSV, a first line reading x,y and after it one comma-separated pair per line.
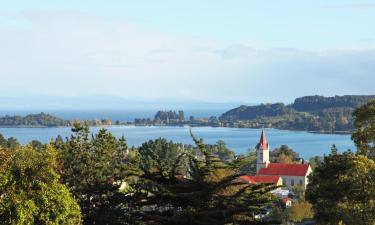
x,y
34,103
309,113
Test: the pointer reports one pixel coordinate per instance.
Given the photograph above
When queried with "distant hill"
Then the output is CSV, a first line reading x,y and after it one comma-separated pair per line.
x,y
316,103
311,113
253,112
33,120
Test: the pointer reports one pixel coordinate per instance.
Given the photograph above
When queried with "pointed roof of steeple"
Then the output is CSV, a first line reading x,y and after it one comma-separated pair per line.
x,y
263,141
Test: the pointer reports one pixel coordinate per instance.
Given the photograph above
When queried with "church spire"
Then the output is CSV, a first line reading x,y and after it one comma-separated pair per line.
x,y
263,152
263,141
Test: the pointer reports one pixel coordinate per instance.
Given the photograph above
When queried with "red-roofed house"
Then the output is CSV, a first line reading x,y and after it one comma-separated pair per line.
x,y
262,179
291,174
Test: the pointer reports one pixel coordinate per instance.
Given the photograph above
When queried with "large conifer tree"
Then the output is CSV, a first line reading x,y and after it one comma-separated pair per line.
x,y
209,193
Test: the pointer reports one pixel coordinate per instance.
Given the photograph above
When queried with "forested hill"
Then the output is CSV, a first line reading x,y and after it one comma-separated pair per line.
x,y
33,120
310,113
316,103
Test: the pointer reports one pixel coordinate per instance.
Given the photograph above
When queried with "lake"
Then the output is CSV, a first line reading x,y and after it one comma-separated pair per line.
x,y
238,139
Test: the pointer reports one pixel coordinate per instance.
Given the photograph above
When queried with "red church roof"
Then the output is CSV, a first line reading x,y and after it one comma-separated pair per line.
x,y
261,179
262,142
285,169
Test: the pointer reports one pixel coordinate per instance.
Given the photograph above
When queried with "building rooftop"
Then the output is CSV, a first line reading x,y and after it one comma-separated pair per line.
x,y
285,169
261,179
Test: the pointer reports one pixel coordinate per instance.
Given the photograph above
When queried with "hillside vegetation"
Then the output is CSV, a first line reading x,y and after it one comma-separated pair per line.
x,y
311,113
32,120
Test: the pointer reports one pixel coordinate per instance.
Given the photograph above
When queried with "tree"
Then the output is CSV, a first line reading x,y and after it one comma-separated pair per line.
x,y
283,154
220,149
211,193
315,161
364,134
94,170
162,154
10,143
30,189
36,144
282,158
300,210
3,141
342,188
334,150
250,160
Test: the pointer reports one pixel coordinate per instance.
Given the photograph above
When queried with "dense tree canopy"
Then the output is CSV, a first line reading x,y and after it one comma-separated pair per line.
x,y
312,113
342,188
41,119
10,143
283,154
208,193
94,169
30,189
364,135
315,103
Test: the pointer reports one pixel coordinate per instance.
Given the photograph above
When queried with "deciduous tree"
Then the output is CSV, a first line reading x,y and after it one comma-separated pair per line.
x,y
30,189
342,188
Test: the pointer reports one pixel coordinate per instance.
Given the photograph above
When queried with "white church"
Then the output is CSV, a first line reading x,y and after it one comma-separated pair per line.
x,y
290,174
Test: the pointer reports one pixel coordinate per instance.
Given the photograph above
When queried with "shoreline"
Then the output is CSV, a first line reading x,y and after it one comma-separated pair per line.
x,y
187,125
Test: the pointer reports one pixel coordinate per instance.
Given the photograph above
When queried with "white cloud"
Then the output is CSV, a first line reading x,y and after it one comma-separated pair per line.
x,y
68,53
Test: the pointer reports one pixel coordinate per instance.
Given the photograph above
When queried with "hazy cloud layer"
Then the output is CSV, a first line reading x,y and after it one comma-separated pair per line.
x,y
74,54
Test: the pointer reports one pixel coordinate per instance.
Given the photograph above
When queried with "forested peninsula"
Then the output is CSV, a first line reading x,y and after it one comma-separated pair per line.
x,y
309,113
46,120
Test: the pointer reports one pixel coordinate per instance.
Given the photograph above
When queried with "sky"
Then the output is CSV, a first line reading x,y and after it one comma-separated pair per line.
x,y
186,50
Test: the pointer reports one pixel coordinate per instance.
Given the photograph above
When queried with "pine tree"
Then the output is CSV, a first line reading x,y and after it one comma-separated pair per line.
x,y
94,169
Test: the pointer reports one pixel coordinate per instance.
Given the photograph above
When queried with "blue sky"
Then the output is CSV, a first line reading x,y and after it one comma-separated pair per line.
x,y
239,50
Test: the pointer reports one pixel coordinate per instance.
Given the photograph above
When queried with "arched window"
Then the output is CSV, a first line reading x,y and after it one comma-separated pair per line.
x,y
301,182
292,182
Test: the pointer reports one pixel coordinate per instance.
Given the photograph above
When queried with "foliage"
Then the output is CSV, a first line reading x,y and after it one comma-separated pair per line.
x,y
364,135
283,154
250,160
314,103
342,188
41,119
315,162
162,154
210,192
252,112
312,113
300,210
94,169
299,191
30,189
10,143
220,149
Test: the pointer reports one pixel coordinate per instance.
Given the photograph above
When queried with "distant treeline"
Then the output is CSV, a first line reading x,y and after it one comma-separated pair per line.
x,y
310,113
33,120
46,120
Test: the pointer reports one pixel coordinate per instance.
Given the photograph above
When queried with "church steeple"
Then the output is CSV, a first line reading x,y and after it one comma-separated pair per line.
x,y
263,141
262,150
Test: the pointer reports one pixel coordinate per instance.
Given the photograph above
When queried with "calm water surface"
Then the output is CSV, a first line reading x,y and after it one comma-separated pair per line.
x,y
238,139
